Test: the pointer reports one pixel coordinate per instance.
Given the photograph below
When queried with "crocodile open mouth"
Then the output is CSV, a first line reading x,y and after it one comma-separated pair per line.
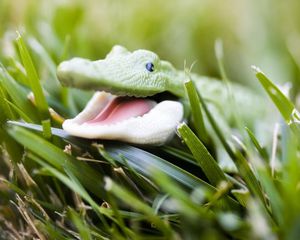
x,y
135,120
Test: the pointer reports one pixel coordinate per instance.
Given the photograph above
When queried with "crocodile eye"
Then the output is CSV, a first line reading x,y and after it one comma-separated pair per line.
x,y
150,66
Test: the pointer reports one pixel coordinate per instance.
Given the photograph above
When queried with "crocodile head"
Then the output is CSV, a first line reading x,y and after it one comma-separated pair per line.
x,y
121,108
140,74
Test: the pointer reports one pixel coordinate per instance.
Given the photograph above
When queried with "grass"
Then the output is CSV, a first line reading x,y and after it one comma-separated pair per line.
x,y
55,186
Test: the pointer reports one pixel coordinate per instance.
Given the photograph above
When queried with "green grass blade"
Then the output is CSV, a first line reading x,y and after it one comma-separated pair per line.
x,y
242,195
16,70
80,142
209,165
262,151
216,127
47,128
219,52
18,94
13,187
249,177
283,104
22,114
55,232
6,110
179,154
35,84
51,84
84,231
196,109
14,150
276,201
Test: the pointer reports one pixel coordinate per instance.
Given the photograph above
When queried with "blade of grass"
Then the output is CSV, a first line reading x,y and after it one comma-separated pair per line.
x,y
242,195
275,199
209,165
7,113
219,52
17,71
283,104
80,142
55,232
47,128
21,113
33,78
195,109
17,94
51,83
262,151
13,187
83,229
179,154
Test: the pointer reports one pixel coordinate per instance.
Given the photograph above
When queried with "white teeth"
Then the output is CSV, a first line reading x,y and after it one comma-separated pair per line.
x,y
155,127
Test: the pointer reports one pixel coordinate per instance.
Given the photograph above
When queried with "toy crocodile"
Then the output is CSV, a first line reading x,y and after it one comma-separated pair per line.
x,y
123,107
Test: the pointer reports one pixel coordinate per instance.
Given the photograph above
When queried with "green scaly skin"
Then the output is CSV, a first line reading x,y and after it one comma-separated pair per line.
x,y
124,73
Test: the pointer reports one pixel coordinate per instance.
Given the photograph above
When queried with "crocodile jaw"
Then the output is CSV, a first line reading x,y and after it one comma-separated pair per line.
x,y
154,127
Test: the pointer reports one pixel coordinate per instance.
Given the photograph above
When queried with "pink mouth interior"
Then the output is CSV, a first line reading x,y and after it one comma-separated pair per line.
x,y
122,108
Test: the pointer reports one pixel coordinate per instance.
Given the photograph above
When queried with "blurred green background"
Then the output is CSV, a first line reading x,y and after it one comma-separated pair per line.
x,y
263,33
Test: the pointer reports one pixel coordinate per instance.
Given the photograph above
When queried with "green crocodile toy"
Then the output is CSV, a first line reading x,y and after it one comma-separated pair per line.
x,y
123,107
